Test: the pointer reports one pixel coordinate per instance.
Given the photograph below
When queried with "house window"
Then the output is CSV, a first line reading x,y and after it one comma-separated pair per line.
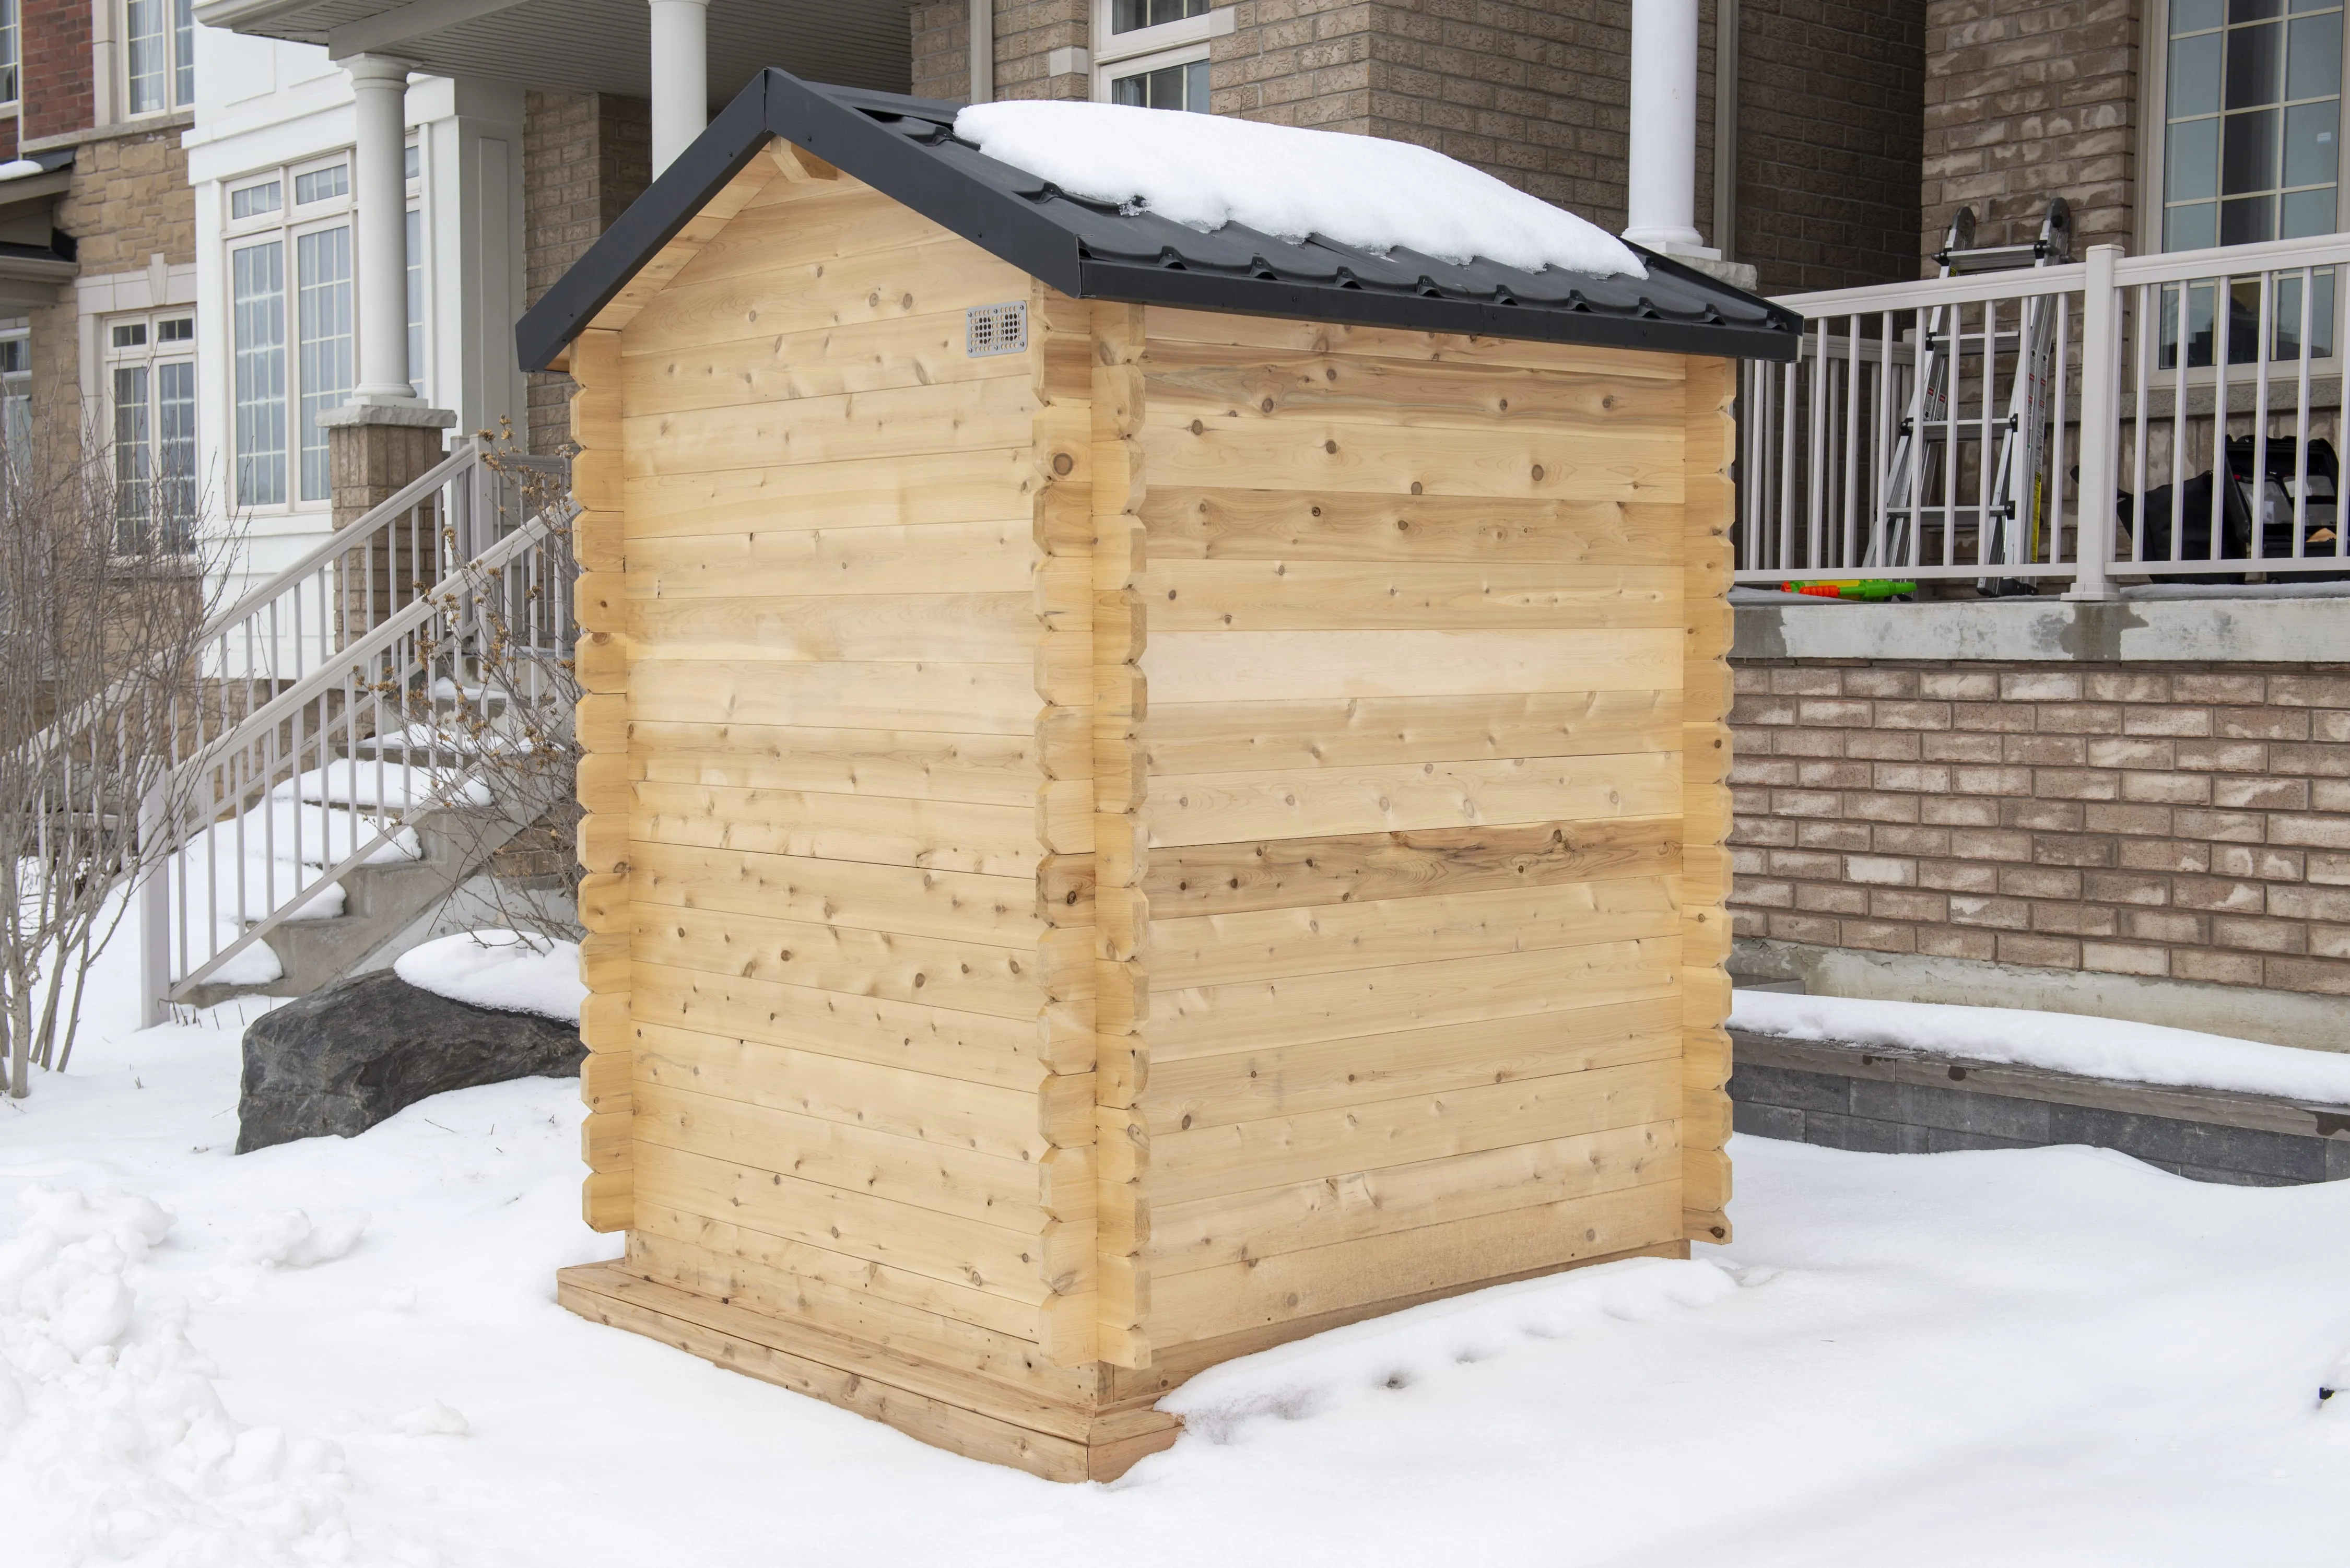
x,y
1153,54
10,41
159,55
152,386
292,328
16,392
2253,121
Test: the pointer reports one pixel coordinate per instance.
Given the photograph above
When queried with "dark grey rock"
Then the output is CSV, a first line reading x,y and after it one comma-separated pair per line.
x,y
1766,1121
342,1059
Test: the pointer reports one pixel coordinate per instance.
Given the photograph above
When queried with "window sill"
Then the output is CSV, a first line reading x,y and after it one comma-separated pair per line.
x,y
145,125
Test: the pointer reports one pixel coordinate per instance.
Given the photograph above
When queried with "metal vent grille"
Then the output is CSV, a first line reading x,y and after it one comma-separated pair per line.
x,y
995,329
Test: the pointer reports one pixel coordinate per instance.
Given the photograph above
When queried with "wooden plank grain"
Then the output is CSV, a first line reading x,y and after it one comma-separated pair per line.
x,y
1208,380
988,556
1345,869
1209,1020
890,422
1313,1145
1247,1228
1637,464
963,976
996,911
1352,731
732,1015
904,764
1210,1090
968,484
949,836
1277,666
1323,596
1273,944
1215,520
949,628
1202,1303
1222,808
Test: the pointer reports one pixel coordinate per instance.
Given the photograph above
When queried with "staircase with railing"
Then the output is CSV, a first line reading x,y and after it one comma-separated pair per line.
x,y
2192,435
324,784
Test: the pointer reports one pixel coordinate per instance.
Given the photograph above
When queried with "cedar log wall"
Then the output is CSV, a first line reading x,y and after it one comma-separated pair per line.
x,y
1092,870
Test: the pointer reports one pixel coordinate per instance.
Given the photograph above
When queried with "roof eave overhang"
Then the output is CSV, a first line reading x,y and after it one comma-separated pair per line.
x,y
830,125
833,131
1152,284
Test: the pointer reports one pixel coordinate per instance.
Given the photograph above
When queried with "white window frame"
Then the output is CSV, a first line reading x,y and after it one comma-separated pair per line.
x,y
12,50
179,57
16,388
151,353
287,224
1117,56
2154,183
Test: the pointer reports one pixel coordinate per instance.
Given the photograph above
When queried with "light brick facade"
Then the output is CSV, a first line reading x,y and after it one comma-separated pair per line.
x,y
2027,99
2189,823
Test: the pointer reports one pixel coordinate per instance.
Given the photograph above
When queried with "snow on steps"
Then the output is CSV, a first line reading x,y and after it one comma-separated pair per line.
x,y
365,914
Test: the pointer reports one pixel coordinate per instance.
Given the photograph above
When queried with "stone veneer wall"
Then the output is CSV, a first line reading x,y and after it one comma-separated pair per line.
x,y
2027,99
2181,822
586,156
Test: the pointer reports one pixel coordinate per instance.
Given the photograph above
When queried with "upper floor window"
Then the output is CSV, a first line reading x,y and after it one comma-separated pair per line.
x,y
159,55
2252,121
11,37
1153,54
293,337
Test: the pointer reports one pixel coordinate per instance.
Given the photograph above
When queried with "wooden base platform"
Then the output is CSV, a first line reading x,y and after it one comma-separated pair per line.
x,y
960,1411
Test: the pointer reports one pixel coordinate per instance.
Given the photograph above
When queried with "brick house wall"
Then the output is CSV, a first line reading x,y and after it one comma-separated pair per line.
x,y
2180,822
586,156
1830,201
1536,93
2027,99
58,84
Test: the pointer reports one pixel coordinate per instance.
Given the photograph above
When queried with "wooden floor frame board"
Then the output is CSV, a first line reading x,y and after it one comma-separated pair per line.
x,y
964,1413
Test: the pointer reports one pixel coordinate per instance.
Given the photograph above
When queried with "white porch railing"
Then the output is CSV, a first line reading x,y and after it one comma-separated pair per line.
x,y
342,701
2169,371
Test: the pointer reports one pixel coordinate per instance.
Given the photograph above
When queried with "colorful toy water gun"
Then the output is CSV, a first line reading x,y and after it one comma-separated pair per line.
x,y
1867,592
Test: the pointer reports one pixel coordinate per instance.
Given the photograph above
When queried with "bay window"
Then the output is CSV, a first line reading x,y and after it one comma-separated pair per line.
x,y
292,327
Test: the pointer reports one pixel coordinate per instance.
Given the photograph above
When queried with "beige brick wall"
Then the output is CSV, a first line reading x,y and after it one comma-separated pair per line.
x,y
2027,99
941,50
2180,822
586,156
1531,93
1535,92
1830,94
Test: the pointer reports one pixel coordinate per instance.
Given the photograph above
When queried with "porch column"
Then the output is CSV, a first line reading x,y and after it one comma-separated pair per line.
x,y
1661,171
681,73
380,199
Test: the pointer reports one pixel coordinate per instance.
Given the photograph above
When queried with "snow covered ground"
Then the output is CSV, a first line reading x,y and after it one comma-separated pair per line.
x,y
348,1352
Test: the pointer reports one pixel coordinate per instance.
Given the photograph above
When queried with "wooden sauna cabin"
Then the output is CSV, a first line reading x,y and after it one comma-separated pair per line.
x,y
1150,792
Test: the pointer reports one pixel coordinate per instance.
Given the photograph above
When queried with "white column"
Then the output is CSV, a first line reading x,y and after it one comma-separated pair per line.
x,y
1662,169
680,72
380,200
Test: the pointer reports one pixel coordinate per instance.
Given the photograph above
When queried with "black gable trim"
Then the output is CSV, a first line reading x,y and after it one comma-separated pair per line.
x,y
904,148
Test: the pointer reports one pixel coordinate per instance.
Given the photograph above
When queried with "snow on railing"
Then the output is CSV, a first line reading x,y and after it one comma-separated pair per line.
x,y
2056,426
340,703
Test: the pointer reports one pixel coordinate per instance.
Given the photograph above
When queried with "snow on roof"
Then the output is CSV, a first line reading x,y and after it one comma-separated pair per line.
x,y
1206,171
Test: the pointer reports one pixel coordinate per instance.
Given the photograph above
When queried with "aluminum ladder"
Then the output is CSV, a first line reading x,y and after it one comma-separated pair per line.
x,y
2011,512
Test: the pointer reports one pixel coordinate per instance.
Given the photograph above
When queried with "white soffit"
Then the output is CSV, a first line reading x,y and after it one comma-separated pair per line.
x,y
593,45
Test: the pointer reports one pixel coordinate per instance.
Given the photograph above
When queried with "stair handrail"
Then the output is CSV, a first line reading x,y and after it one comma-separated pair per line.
x,y
345,668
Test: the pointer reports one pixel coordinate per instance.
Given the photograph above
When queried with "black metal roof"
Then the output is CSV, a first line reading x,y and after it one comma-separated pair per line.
x,y
905,149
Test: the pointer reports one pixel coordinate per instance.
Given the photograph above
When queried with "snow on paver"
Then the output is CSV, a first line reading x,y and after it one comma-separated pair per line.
x,y
2045,1355
2113,1048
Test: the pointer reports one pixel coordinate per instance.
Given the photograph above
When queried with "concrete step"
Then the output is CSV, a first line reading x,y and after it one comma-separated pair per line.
x,y
384,906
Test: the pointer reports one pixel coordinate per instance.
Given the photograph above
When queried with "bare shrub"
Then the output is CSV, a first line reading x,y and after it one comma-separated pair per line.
x,y
103,589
